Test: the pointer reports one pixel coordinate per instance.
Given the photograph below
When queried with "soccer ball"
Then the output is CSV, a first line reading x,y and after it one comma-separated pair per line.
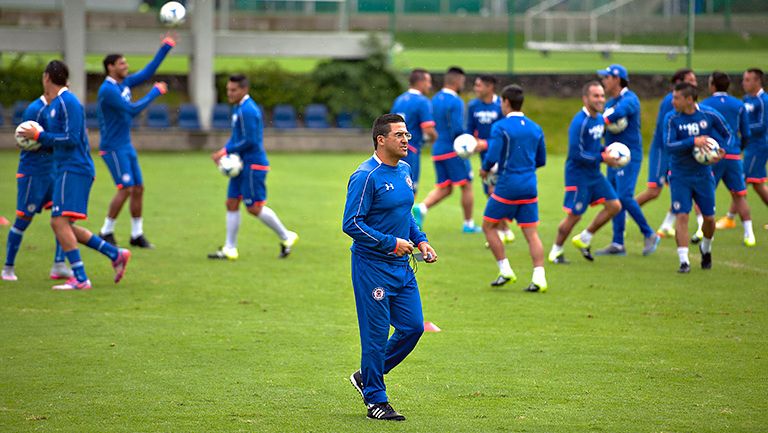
x,y
230,165
619,151
706,156
172,13
617,126
26,143
465,145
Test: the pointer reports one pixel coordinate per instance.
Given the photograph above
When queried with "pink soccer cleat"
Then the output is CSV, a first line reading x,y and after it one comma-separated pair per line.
x,y
73,284
120,264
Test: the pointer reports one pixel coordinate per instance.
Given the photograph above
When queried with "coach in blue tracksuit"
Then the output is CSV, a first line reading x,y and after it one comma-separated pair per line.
x,y
624,106
377,216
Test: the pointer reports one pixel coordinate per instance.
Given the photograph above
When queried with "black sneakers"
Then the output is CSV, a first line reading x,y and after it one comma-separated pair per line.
x,y
356,379
141,242
706,259
587,253
108,238
533,288
684,268
561,260
384,412
500,281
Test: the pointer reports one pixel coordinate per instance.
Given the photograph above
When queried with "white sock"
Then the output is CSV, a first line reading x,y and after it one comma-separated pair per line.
x,y
538,274
137,227
730,215
706,245
557,249
469,223
586,236
269,217
682,254
748,229
423,208
504,267
233,225
109,226
669,220
699,221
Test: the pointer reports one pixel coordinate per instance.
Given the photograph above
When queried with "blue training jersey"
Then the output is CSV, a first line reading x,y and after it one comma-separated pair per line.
x,y
735,115
247,139
584,148
378,210
517,145
757,112
116,110
38,162
665,107
626,105
416,109
681,129
448,109
65,119
482,116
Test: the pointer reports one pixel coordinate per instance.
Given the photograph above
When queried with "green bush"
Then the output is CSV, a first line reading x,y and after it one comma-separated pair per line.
x,y
20,82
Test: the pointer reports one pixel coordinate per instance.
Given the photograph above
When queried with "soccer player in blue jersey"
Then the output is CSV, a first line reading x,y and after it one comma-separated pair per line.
x,y
730,169
516,144
66,135
249,186
624,106
450,169
34,179
687,127
756,151
585,185
116,112
416,108
658,164
377,216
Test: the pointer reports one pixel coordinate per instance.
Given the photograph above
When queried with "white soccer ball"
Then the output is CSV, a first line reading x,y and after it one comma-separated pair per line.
x,y
620,151
617,126
230,165
707,155
172,13
26,143
465,145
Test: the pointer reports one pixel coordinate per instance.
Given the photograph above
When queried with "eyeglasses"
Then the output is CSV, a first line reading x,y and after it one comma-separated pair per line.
x,y
400,135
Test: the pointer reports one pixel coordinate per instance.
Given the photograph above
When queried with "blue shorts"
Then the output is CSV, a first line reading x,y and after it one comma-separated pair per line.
x,y
624,179
579,197
34,193
700,189
754,164
70,195
414,160
523,210
250,185
452,170
658,166
731,172
124,167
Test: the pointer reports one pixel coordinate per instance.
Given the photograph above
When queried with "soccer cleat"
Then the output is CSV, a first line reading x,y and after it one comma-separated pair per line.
x,y
651,243
73,284
666,232
286,245
108,238
612,250
121,263
142,242
725,223
418,216
558,258
466,228
696,238
224,253
504,279
60,271
356,379
533,288
585,248
384,412
706,259
9,273
508,237
684,268
750,241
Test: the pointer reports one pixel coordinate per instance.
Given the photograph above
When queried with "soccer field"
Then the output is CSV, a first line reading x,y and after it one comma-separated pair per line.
x,y
184,344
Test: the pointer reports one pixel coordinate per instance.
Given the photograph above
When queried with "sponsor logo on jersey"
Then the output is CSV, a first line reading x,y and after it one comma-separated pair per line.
x,y
486,117
378,293
596,131
749,107
126,177
676,205
409,181
31,207
579,205
389,186
53,113
703,123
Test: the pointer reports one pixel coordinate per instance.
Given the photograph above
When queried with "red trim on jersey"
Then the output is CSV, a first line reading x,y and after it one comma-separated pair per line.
x,y
489,219
444,184
533,224
19,213
756,180
169,41
571,188
74,215
119,186
733,157
461,182
506,201
259,167
741,193
37,134
412,149
653,185
102,153
568,210
598,201
427,124
19,175
48,205
444,156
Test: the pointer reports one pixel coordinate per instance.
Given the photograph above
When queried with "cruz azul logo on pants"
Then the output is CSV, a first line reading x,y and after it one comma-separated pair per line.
x,y
378,293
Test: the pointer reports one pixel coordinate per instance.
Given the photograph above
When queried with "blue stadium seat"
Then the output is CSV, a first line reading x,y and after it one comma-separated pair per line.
x,y
345,119
220,119
157,116
188,117
18,112
92,115
2,116
284,117
316,116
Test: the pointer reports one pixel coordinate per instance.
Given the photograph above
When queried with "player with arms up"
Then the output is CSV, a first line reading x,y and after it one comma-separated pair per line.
x,y
516,144
377,216
247,140
756,151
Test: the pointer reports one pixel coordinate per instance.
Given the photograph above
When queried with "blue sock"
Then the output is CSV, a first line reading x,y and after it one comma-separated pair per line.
x,y
59,255
14,240
103,247
77,264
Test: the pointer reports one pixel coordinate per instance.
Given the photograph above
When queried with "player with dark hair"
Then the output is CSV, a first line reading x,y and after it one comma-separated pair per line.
x,y
116,113
585,185
756,151
730,169
249,186
377,216
516,144
416,108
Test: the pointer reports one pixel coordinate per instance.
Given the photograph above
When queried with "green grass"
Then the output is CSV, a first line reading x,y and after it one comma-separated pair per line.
x,y
261,344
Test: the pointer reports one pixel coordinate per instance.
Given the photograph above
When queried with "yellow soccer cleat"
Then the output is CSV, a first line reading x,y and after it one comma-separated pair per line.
x,y
224,253
725,223
750,241
509,237
666,232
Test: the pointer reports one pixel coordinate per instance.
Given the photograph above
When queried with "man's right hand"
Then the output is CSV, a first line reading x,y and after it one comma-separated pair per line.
x,y
403,248
162,87
700,141
611,161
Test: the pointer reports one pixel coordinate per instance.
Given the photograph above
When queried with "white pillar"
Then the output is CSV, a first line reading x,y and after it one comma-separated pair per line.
x,y
73,17
202,79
